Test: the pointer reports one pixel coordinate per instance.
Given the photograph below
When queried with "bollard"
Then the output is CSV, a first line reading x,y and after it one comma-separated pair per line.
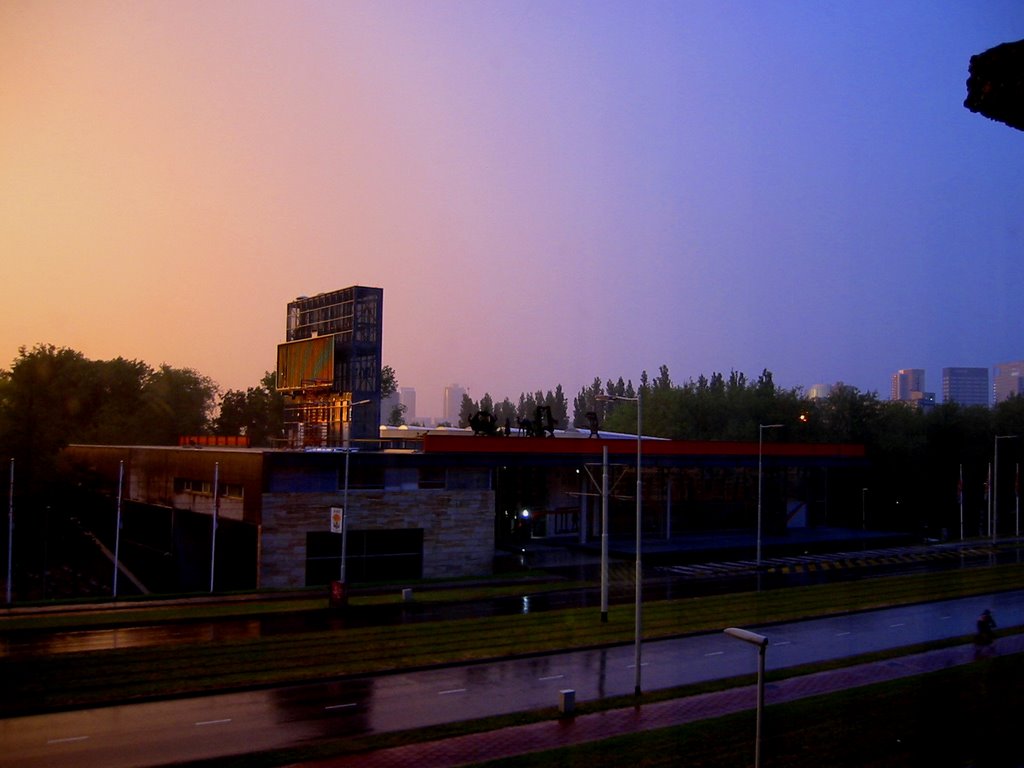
x,y
406,595
567,701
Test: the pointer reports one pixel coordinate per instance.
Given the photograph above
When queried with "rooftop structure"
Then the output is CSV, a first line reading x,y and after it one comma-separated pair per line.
x,y
329,367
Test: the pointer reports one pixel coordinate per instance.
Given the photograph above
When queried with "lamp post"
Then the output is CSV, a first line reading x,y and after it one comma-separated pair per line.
x,y
760,457
344,507
604,535
638,623
863,509
995,483
762,645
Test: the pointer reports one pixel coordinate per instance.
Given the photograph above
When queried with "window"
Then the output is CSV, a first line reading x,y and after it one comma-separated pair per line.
x,y
371,556
432,478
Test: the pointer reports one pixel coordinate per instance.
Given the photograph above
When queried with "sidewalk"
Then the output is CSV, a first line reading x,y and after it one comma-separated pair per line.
x,y
566,732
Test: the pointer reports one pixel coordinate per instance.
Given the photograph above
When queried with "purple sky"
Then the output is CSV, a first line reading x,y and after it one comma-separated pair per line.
x,y
546,191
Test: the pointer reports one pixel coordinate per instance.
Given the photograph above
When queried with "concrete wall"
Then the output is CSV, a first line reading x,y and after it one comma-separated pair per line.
x,y
458,529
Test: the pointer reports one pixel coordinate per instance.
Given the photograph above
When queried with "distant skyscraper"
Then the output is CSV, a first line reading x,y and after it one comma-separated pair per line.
x,y
407,396
452,404
966,386
1007,380
819,391
905,382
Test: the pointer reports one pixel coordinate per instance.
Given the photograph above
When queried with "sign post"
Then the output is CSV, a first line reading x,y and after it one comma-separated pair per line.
x,y
337,521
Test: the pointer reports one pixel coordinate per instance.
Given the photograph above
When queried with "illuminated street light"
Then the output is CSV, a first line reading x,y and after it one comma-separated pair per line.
x,y
762,646
638,625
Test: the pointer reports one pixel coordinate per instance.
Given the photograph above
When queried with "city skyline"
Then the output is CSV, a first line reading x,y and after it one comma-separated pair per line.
x,y
546,192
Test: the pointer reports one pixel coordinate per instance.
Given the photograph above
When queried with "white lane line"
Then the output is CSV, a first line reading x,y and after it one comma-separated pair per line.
x,y
341,706
782,642
715,653
896,626
214,722
551,677
67,740
842,634
451,691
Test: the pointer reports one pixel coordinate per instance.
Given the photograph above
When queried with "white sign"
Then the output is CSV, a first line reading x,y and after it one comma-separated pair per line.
x,y
337,519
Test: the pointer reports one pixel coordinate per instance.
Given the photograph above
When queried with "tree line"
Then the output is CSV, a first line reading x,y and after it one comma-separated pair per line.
x,y
52,396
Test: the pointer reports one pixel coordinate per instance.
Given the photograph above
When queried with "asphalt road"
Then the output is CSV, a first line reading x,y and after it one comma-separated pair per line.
x,y
190,729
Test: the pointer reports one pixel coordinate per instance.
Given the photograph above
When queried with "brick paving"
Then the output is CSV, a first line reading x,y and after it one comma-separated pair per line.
x,y
535,737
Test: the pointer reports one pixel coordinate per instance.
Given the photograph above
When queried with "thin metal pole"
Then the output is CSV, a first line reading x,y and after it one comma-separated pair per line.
x,y
117,528
638,628
960,499
344,521
760,452
995,491
988,498
10,533
604,535
760,703
213,533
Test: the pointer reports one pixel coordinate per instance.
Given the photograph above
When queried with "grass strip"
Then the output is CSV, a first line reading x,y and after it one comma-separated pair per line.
x,y
44,683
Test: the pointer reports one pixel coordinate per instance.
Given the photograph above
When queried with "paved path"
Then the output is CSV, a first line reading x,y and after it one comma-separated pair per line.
x,y
551,734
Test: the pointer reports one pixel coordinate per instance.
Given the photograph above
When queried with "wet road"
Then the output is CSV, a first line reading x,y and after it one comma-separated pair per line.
x,y
190,729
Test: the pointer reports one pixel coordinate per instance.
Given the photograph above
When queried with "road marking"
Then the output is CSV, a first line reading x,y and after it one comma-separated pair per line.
x,y
895,626
66,740
451,691
214,722
782,642
633,666
551,677
715,653
842,634
341,706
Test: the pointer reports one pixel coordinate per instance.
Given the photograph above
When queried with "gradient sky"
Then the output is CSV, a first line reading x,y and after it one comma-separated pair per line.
x,y
546,191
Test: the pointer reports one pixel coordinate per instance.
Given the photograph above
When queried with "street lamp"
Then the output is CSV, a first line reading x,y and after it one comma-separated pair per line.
x,y
762,645
995,483
344,509
760,456
638,624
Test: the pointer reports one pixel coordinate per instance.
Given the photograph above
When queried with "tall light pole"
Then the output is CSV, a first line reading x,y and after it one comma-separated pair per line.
x,y
344,505
604,534
863,509
760,457
762,645
10,534
995,484
638,623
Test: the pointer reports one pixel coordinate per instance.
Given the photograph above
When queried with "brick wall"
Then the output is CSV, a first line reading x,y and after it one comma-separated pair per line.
x,y
458,529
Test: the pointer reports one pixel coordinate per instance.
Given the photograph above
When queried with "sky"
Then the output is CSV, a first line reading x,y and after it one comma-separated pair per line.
x,y
547,192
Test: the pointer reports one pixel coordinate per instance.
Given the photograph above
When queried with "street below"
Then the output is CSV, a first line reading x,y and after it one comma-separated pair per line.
x,y
155,733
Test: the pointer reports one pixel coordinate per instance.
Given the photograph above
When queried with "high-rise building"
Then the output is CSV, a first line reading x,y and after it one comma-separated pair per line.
x,y
905,382
819,391
1007,380
966,386
329,367
407,397
452,404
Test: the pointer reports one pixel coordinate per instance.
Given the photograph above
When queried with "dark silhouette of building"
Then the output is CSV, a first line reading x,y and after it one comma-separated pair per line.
x,y
995,87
